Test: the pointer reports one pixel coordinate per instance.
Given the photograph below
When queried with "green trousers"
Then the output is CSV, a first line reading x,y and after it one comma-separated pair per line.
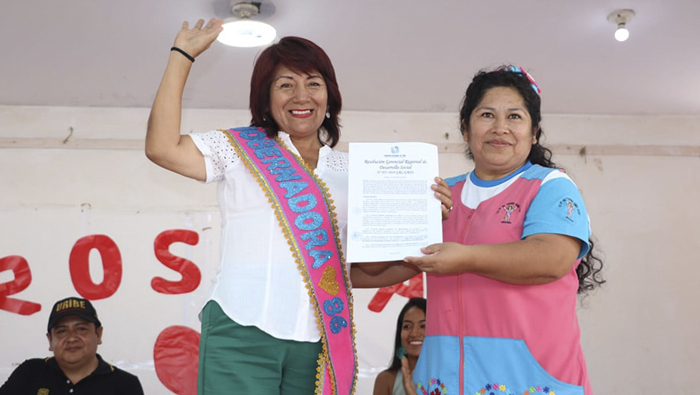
x,y
236,359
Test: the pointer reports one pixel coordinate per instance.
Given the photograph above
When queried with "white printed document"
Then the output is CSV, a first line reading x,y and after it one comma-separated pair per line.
x,y
392,211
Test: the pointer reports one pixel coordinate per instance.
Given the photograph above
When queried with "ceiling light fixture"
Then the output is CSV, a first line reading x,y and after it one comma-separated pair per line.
x,y
244,32
620,18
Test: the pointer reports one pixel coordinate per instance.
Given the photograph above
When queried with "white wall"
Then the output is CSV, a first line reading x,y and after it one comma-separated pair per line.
x,y
70,172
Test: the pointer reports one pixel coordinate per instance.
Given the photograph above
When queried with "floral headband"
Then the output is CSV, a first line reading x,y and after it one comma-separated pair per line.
x,y
522,71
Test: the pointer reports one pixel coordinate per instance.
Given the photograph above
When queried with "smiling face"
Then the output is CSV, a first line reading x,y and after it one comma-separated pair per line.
x,y
500,133
298,102
74,341
413,331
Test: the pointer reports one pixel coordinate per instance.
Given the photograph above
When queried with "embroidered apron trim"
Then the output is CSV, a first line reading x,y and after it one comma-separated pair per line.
x,y
305,212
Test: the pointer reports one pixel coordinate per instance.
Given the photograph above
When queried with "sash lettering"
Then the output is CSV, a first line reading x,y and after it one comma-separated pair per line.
x,y
303,206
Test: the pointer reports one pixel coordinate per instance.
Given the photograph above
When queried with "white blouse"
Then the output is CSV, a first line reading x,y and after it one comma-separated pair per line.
x,y
258,282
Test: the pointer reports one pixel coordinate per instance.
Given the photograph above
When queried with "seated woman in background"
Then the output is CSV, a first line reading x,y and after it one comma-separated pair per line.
x,y
410,330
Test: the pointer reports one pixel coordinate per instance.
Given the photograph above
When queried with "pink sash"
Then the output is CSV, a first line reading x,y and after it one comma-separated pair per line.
x,y
304,209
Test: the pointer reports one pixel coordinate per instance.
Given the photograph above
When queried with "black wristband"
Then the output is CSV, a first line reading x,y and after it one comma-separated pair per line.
x,y
185,54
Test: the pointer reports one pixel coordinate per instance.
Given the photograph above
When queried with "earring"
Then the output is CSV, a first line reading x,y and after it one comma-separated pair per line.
x,y
328,114
400,352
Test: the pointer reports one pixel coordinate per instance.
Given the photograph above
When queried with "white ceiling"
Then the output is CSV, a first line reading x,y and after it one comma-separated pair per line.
x,y
404,56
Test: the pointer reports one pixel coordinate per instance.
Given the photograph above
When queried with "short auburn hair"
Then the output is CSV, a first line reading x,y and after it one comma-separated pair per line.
x,y
301,56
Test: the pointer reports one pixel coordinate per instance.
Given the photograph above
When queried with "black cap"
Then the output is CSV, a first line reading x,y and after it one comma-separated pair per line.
x,y
73,306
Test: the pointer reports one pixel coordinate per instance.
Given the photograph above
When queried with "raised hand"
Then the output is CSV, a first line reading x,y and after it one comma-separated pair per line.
x,y
198,39
407,373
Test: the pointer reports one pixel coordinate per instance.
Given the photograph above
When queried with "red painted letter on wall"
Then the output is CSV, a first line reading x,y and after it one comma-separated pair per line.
x,y
191,276
80,267
23,277
176,358
414,289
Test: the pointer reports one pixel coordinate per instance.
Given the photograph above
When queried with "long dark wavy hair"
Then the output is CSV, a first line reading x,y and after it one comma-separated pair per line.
x,y
413,302
590,268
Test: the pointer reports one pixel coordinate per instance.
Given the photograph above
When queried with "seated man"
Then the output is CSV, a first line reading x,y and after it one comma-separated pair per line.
x,y
74,332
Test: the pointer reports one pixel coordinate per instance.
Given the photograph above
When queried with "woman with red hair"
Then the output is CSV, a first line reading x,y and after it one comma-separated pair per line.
x,y
279,310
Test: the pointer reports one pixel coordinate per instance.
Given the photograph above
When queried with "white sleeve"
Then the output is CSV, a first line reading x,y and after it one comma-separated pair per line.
x,y
218,153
